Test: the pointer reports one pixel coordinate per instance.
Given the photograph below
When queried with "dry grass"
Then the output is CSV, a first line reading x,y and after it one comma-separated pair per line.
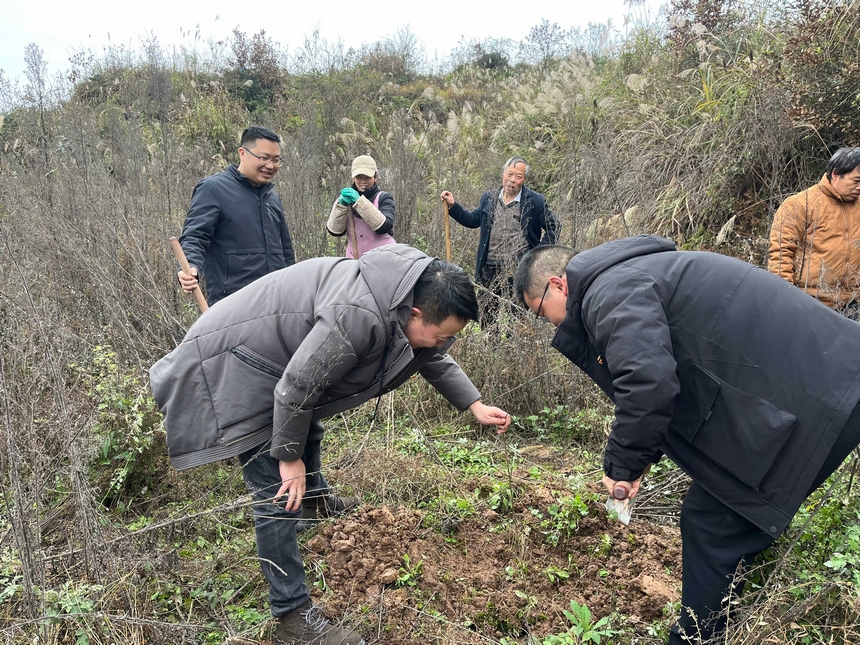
x,y
94,179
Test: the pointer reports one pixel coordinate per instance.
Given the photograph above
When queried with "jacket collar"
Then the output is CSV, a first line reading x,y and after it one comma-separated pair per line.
x,y
518,198
584,268
523,198
827,189
242,179
370,193
391,272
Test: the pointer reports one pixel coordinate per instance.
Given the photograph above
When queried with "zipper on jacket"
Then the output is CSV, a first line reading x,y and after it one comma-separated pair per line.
x,y
263,213
254,361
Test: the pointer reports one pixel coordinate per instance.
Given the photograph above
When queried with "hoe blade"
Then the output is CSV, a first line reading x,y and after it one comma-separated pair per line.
x,y
622,509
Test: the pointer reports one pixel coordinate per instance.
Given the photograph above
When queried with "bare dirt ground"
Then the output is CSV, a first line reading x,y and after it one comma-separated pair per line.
x,y
489,575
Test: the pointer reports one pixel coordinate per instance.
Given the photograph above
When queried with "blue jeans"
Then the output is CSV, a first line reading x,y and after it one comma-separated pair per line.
x,y
275,528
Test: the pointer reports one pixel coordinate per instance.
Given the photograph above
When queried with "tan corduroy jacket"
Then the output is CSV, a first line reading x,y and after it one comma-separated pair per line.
x,y
815,244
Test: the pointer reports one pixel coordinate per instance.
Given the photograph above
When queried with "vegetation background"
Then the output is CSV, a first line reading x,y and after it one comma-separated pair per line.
x,y
695,125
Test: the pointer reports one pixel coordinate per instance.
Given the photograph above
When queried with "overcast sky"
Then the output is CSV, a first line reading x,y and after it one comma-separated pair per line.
x,y
62,27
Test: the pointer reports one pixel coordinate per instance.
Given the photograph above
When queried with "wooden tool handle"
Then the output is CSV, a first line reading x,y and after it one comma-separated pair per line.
x,y
179,254
447,232
621,490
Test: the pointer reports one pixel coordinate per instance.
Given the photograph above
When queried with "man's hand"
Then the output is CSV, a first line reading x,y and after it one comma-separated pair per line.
x,y
348,196
447,197
611,484
188,282
292,484
489,415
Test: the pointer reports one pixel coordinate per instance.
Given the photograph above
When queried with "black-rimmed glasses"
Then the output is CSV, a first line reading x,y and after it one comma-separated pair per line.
x,y
540,304
276,161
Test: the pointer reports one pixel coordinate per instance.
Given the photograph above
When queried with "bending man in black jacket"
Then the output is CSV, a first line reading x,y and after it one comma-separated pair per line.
x,y
513,219
235,233
745,382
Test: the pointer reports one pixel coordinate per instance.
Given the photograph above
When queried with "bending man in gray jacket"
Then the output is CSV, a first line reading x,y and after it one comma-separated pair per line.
x,y
743,380
256,373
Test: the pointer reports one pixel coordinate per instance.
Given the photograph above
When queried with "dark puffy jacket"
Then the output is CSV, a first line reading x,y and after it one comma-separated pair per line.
x,y
739,377
317,339
235,232
538,222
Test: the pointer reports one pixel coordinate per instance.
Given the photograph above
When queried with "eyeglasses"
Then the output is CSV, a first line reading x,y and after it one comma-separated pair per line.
x,y
540,304
276,161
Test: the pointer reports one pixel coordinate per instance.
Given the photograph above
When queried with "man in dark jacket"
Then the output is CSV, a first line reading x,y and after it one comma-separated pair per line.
x,y
235,230
512,219
257,372
745,382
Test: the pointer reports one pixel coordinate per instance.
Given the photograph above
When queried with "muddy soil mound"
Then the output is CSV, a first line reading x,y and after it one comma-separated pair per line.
x,y
491,574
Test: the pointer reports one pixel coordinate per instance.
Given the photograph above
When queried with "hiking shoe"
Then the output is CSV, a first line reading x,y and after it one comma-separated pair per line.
x,y
308,625
329,505
320,506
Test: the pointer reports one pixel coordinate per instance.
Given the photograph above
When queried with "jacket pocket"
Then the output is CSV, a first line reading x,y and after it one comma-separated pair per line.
x,y
257,361
242,385
243,266
739,431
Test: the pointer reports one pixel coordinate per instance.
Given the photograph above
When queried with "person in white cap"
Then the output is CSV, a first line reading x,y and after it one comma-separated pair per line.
x,y
363,212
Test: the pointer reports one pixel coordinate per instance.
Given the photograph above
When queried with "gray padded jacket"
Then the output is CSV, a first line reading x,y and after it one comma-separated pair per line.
x,y
303,343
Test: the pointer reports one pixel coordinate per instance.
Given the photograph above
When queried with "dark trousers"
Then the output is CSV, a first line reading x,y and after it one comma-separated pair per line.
x,y
500,283
717,541
275,528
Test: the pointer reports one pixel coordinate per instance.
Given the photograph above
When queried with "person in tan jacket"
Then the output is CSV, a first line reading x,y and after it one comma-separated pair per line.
x,y
815,236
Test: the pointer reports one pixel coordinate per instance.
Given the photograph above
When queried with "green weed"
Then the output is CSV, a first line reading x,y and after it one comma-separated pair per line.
x,y
563,520
582,629
128,425
502,497
556,574
409,573
472,460
561,422
604,547
517,571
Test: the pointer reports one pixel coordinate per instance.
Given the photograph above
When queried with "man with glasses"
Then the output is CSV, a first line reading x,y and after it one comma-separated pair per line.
x,y
235,231
705,361
256,374
539,311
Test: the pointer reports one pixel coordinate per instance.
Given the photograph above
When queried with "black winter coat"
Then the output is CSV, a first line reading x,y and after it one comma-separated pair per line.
x,y
738,376
538,222
234,233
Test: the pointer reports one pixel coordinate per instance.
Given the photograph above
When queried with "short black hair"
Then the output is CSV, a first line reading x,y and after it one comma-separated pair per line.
x,y
843,161
444,290
250,136
537,266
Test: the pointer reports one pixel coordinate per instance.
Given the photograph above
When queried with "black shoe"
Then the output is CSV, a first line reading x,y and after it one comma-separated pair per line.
x,y
318,506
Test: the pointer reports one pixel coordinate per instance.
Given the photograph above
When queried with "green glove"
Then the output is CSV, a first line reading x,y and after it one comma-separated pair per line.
x,y
348,196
